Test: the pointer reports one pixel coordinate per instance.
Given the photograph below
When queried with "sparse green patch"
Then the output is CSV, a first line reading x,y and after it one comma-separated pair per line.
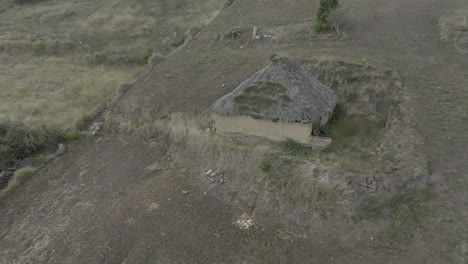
x,y
262,95
266,88
352,133
20,177
71,134
266,165
4,6
294,148
255,103
406,212
459,235
38,47
41,160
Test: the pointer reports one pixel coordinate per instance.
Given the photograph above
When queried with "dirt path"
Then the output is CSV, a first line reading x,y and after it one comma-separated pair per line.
x,y
98,204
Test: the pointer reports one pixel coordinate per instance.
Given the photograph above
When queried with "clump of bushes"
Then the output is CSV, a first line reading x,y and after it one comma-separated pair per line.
x,y
324,13
18,141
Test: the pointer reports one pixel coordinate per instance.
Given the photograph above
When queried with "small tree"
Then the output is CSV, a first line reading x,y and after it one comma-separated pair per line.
x,y
322,24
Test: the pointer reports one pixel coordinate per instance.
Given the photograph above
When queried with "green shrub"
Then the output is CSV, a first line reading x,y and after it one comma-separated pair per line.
x,y
18,141
71,134
322,23
265,166
41,160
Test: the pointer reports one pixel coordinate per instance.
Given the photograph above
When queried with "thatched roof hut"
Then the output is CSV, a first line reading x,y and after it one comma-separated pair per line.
x,y
282,91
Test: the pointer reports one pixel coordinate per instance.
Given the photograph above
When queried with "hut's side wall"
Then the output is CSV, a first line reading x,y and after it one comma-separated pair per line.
x,y
276,131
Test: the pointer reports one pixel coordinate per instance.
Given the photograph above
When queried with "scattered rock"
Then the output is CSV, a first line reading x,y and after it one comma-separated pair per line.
x,y
153,206
5,177
244,222
214,177
60,150
254,32
153,167
130,222
95,127
369,184
232,34
185,192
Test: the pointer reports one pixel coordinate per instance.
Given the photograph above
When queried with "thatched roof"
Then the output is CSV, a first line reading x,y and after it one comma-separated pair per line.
x,y
282,90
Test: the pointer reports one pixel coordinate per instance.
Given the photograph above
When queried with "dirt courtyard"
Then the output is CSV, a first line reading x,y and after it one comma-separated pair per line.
x,y
120,198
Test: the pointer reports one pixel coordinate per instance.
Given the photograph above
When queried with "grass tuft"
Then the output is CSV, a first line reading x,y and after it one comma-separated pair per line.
x,y
265,165
20,177
41,160
72,134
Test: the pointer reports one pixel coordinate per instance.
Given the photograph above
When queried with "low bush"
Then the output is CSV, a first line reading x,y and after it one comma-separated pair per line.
x,y
322,23
18,141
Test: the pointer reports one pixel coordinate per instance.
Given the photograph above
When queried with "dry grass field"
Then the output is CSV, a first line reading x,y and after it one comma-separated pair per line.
x,y
61,60
54,91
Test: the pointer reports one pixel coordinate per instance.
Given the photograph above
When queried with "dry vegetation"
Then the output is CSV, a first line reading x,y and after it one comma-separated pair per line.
x,y
21,176
54,92
255,169
50,75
